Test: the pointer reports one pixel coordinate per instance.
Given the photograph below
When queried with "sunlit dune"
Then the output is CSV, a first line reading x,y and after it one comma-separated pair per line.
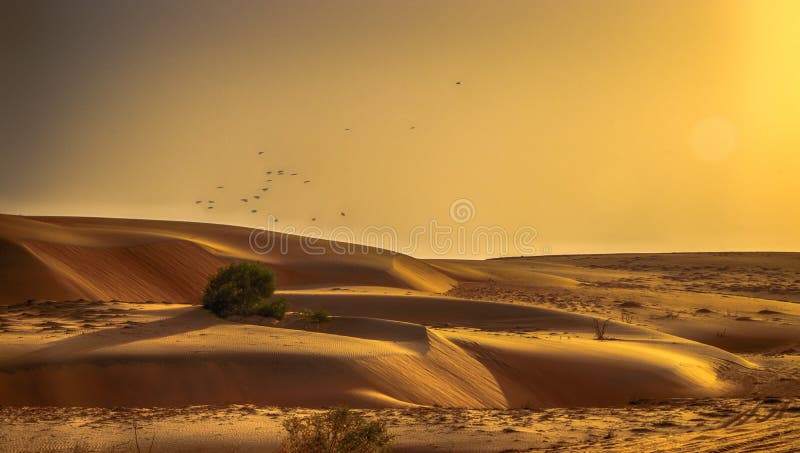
x,y
170,261
348,226
104,313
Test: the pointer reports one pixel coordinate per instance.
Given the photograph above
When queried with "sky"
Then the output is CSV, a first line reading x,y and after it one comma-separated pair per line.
x,y
595,126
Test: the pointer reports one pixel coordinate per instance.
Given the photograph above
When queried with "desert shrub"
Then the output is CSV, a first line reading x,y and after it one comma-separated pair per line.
x,y
338,430
318,316
136,429
272,309
626,316
600,329
239,289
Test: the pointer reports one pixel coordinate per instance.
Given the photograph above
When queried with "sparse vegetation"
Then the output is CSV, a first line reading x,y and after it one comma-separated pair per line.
x,y
338,430
136,429
243,289
626,316
273,309
316,317
600,329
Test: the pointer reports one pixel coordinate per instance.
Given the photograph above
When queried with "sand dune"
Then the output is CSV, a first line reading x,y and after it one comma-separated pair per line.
x,y
188,356
688,295
178,355
78,326
137,260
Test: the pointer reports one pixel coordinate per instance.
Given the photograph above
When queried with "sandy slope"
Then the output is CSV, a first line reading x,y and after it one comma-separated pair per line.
x,y
675,426
138,260
687,295
185,355
515,333
155,354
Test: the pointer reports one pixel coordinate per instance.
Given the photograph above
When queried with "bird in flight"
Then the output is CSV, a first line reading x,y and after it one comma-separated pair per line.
x,y
244,199
269,180
280,172
220,187
413,127
306,181
264,189
313,219
260,153
256,196
198,201
347,129
211,201
269,172
341,214
458,83
254,210
294,174
211,207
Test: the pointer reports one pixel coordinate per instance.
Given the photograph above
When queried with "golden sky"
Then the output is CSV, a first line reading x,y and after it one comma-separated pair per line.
x,y
607,126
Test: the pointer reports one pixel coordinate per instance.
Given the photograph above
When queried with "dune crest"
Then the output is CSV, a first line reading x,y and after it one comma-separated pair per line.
x,y
61,258
395,338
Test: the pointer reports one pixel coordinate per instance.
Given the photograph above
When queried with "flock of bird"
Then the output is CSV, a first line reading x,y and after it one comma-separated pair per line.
x,y
210,204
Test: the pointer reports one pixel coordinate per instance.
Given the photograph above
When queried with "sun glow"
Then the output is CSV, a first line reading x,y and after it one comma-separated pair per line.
x,y
773,68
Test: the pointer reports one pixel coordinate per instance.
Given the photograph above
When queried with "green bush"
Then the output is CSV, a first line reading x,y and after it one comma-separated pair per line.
x,y
274,309
240,289
318,316
338,430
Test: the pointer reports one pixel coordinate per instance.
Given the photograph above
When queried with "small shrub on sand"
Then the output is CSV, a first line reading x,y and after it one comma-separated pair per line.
x,y
338,430
240,289
626,316
317,317
136,429
600,329
272,309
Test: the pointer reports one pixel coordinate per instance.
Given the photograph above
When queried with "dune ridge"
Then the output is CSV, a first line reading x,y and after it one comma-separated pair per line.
x,y
78,326
175,355
60,258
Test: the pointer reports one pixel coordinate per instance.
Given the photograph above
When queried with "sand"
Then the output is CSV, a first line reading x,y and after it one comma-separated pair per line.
x,y
98,314
676,425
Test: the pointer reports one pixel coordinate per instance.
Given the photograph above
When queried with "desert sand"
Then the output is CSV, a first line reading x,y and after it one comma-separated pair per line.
x,y
100,328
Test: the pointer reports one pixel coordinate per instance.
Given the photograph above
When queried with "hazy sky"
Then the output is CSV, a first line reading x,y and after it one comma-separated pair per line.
x,y
605,125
